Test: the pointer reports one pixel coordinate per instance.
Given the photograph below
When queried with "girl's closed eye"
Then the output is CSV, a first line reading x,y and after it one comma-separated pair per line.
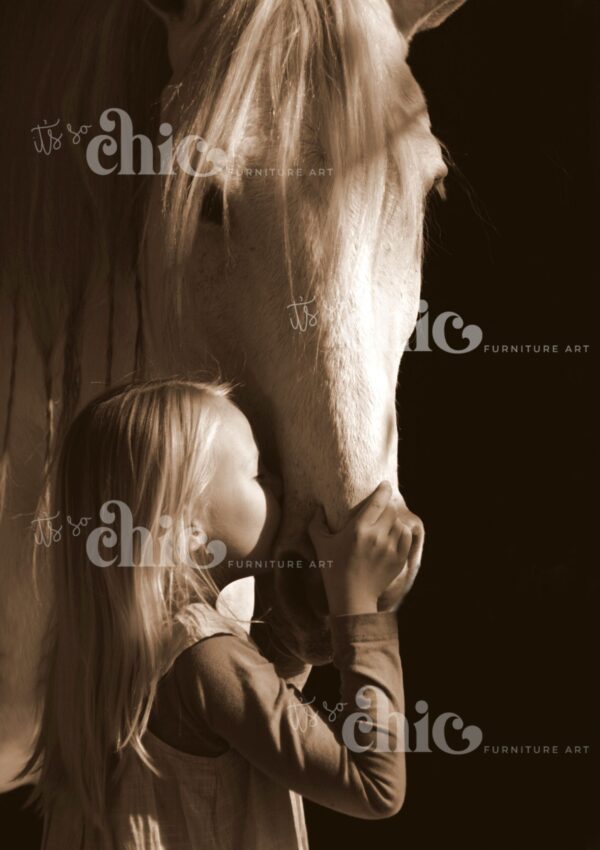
x,y
261,472
268,480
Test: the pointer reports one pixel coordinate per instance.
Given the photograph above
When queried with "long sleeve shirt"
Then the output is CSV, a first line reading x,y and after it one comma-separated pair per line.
x,y
235,746
224,693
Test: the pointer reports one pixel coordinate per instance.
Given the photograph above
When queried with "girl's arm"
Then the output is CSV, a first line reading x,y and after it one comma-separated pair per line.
x,y
353,764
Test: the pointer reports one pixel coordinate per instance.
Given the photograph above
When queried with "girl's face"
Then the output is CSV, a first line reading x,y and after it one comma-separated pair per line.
x,y
243,497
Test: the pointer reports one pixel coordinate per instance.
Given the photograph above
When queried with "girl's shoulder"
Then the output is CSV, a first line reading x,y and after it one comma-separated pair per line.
x,y
198,621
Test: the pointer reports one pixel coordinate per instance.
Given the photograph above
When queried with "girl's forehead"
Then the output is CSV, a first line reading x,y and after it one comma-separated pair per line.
x,y
237,426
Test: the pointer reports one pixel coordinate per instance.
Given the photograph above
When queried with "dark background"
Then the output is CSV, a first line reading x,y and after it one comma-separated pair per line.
x,y
496,449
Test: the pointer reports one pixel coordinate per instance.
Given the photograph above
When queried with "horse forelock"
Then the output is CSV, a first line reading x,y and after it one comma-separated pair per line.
x,y
285,75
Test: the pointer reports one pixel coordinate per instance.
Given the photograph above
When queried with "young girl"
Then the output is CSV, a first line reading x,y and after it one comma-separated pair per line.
x,y
165,727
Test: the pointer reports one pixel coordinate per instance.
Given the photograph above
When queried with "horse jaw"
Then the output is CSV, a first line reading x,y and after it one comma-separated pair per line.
x,y
322,401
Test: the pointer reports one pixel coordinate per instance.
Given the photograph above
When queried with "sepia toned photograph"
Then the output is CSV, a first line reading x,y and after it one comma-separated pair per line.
x,y
297,439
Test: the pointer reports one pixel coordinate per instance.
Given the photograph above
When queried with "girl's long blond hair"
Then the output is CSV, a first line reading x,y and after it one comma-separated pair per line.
x,y
149,446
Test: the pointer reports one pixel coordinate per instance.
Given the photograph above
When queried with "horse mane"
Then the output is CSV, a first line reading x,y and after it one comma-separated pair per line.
x,y
68,227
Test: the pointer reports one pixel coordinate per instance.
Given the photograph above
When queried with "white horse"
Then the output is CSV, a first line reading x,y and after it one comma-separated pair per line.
x,y
295,265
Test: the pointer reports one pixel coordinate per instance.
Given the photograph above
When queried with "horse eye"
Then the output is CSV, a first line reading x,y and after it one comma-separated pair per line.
x,y
212,206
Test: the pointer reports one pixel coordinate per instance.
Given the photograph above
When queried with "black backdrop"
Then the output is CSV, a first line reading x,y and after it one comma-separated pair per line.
x,y
496,449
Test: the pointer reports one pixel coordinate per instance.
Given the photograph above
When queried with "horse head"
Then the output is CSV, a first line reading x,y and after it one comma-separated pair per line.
x,y
297,250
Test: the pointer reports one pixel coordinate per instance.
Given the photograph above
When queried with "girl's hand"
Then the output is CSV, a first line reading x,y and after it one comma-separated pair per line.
x,y
377,550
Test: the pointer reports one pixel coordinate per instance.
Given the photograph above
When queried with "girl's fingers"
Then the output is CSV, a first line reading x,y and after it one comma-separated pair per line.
x,y
375,504
396,530
412,568
386,522
416,548
404,541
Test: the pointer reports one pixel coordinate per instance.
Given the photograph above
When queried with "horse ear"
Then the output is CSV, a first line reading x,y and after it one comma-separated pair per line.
x,y
413,16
